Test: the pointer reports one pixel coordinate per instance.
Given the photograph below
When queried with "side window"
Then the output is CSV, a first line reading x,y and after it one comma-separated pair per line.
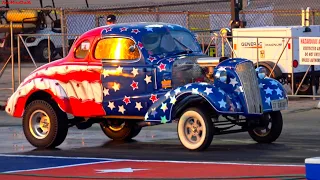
x,y
82,50
116,48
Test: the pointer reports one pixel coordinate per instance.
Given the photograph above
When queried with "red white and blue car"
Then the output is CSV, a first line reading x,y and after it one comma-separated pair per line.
x,y
127,76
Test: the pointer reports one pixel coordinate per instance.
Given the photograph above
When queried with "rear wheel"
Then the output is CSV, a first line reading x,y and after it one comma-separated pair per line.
x,y
269,130
195,129
276,73
44,124
306,86
120,130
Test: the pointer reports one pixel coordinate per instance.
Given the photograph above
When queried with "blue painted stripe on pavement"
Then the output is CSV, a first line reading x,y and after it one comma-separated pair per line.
x,y
28,163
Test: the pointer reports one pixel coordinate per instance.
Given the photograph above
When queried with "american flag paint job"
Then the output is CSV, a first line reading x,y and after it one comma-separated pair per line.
x,y
74,84
225,98
89,87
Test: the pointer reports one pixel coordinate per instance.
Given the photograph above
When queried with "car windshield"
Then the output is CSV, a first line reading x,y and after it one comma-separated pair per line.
x,y
170,42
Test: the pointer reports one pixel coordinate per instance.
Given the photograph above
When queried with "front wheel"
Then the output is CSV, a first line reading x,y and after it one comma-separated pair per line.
x,y
120,130
44,124
41,52
271,129
195,129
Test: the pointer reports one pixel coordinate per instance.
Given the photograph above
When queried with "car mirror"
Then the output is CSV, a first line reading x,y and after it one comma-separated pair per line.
x,y
132,48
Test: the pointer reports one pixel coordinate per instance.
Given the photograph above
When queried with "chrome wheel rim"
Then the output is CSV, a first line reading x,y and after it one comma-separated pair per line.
x,y
116,128
264,131
45,53
193,130
39,124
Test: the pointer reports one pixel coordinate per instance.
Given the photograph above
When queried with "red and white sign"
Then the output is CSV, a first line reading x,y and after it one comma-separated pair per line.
x,y
309,50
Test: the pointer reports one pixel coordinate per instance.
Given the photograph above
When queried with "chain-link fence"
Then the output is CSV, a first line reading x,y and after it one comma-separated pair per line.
x,y
203,16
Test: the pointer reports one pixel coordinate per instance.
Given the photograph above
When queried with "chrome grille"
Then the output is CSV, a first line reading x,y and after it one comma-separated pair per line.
x,y
250,86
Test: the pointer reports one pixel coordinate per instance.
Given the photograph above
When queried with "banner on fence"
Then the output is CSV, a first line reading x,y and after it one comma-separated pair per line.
x,y
309,50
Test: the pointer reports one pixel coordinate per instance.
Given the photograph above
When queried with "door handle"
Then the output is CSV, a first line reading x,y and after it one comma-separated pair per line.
x,y
144,69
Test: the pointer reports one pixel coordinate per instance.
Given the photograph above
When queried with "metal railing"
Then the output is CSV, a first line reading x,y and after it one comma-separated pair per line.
x,y
49,42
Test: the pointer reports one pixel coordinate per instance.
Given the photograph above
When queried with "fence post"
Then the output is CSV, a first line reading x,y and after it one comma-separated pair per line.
x,y
97,19
19,60
187,20
12,57
63,32
158,15
258,52
313,77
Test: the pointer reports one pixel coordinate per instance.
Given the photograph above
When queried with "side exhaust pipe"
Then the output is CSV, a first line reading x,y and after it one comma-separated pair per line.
x,y
143,124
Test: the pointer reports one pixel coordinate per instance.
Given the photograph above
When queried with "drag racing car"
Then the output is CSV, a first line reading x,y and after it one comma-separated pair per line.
x,y
132,75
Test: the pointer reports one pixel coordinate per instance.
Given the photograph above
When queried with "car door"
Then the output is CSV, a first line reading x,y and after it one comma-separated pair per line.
x,y
126,80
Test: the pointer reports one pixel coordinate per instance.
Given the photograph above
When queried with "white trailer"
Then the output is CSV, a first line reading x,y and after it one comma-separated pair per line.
x,y
277,46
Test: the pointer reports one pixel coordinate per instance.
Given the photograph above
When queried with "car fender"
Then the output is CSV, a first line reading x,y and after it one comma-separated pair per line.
x,y
16,103
271,89
72,97
162,109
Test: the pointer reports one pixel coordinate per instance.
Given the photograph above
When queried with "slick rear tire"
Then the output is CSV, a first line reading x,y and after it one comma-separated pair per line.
x,y
271,134
194,123
125,131
44,124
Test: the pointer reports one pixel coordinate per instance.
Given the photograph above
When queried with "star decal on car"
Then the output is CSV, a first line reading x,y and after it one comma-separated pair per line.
x,y
134,85
153,98
147,79
126,100
121,109
140,45
116,87
111,105
136,31
134,72
162,67
151,58
123,29
138,106
105,91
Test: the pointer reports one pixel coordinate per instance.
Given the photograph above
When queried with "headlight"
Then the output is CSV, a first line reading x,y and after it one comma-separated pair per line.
x,y
221,76
262,72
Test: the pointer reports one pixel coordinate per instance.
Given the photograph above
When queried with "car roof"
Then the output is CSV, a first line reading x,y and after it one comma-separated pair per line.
x,y
131,29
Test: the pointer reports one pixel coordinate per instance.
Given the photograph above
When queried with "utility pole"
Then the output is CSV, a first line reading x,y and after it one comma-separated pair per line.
x,y
236,7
